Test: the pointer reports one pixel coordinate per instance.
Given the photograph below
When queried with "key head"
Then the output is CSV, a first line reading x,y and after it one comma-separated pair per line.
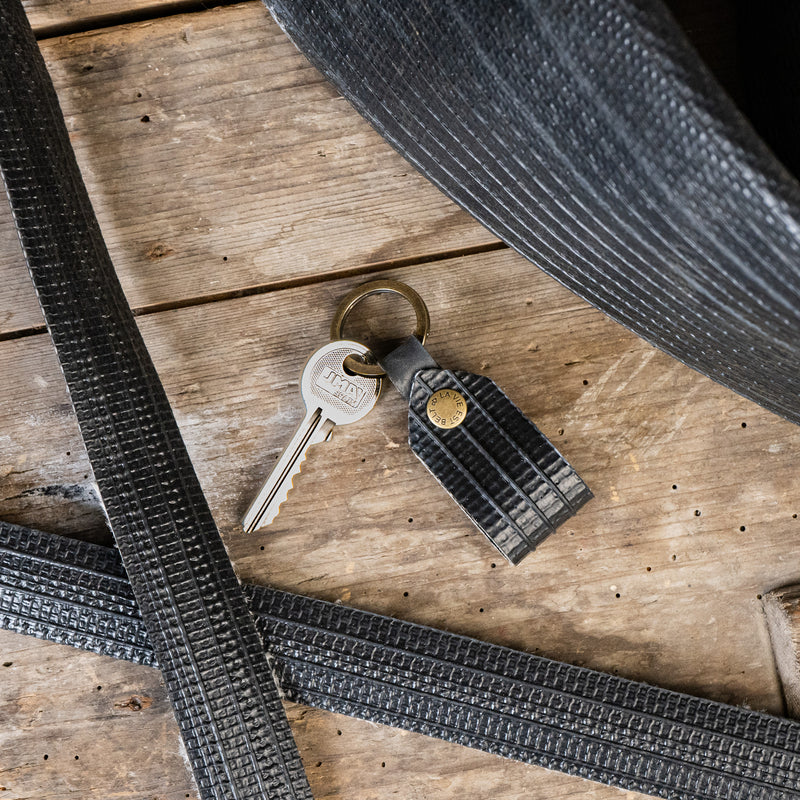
x,y
325,384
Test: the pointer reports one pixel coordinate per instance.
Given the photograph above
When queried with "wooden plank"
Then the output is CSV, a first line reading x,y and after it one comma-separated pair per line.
x,y
248,169
49,17
638,583
782,609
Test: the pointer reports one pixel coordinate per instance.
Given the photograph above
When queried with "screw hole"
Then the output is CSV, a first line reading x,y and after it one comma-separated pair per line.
x,y
744,424
742,528
338,733
758,597
697,512
674,485
494,566
77,758
405,594
262,546
99,688
585,382
618,595
145,118
383,763
674,557
649,569
224,258
480,611
411,519
46,756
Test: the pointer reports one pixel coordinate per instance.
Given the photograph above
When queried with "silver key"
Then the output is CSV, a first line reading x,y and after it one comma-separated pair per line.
x,y
332,397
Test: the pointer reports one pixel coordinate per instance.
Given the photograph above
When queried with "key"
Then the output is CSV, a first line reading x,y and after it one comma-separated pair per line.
x,y
332,397
495,463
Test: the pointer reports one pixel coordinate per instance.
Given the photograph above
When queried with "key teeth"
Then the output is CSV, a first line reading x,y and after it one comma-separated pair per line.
x,y
268,510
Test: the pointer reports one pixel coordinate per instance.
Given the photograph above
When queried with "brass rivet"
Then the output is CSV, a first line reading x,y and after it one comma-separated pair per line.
x,y
447,408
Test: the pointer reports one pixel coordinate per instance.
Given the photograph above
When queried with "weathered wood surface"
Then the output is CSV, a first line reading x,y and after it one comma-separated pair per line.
x,y
248,172
638,583
367,525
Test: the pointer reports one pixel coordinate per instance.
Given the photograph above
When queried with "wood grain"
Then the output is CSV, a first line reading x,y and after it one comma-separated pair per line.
x,y
782,609
218,160
638,583
249,174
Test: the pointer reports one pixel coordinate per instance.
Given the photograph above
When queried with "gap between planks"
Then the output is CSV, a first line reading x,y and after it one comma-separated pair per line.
x,y
289,283
127,17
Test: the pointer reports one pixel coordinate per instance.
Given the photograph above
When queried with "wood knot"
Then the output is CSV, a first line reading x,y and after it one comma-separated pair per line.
x,y
135,703
159,250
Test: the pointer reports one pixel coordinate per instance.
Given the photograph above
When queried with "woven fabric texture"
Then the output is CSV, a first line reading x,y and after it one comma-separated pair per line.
x,y
513,704
590,137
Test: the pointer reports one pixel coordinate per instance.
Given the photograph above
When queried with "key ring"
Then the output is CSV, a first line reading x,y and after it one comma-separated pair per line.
x,y
364,366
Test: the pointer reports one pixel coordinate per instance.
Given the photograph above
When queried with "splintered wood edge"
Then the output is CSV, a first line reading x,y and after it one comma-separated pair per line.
x,y
782,609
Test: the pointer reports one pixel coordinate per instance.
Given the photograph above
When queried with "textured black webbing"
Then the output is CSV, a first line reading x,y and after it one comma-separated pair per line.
x,y
589,136
513,704
197,619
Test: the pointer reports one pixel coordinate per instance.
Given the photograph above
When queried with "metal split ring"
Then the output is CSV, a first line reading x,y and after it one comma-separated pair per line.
x,y
366,365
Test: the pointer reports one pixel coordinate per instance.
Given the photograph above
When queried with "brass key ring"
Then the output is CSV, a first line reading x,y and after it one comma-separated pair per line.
x,y
364,367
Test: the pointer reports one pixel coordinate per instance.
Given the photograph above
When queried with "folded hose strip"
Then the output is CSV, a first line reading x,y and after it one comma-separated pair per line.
x,y
591,138
513,704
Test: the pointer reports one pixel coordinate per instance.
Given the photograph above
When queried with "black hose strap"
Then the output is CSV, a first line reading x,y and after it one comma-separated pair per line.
x,y
590,137
513,704
198,622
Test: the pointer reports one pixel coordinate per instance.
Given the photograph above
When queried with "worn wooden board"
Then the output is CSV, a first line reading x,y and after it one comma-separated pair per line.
x,y
248,172
252,176
638,583
782,610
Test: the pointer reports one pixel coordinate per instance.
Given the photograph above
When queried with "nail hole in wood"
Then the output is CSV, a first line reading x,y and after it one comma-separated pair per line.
x,y
145,118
